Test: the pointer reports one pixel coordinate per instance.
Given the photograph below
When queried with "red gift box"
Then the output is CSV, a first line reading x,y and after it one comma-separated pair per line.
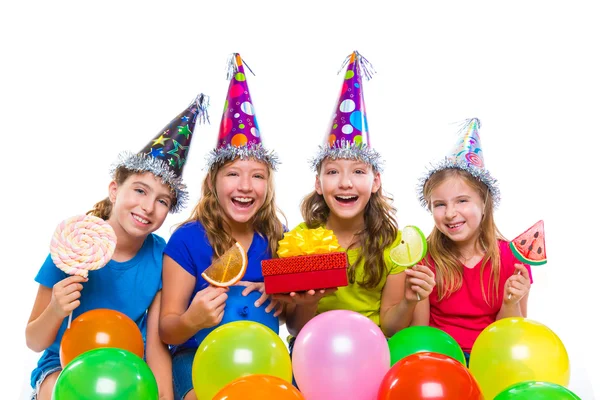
x,y
306,272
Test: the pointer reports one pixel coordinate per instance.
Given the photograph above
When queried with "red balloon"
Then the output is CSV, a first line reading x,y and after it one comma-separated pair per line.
x,y
259,387
429,376
100,328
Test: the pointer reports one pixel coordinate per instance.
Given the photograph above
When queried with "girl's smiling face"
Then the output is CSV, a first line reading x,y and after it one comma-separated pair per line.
x,y
346,186
241,188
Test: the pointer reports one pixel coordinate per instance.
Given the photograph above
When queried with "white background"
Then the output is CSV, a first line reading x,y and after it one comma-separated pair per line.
x,y
82,81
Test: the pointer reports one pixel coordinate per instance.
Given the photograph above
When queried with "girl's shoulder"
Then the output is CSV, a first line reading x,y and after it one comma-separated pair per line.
x,y
190,225
506,253
301,226
190,228
190,234
155,240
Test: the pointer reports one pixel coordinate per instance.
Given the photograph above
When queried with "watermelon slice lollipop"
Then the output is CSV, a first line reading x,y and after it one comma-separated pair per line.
x,y
530,246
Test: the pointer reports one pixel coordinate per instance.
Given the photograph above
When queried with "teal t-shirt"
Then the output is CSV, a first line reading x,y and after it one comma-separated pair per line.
x,y
128,287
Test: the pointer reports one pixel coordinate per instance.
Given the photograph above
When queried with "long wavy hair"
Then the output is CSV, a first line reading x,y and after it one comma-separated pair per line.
x,y
380,231
210,214
103,208
443,251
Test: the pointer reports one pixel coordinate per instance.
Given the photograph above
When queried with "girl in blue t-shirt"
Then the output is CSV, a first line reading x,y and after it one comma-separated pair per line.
x,y
144,189
237,205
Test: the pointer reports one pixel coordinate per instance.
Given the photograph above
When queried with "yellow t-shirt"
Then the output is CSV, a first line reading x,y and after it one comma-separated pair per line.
x,y
354,297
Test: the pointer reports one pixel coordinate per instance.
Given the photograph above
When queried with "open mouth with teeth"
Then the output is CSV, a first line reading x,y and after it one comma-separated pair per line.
x,y
346,199
242,202
140,219
455,226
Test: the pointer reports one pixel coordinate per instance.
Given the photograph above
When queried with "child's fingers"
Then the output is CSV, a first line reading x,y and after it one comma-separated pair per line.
x,y
519,286
279,310
519,280
522,279
514,293
72,305
421,283
212,292
424,269
220,314
71,297
424,277
259,302
417,282
272,304
247,290
283,298
68,281
523,270
219,300
73,287
421,293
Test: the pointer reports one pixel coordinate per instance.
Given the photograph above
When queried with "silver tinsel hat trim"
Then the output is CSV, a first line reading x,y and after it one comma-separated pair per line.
x,y
350,151
256,151
146,163
481,174
466,156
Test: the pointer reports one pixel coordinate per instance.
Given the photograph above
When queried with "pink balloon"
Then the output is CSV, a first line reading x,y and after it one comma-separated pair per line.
x,y
340,355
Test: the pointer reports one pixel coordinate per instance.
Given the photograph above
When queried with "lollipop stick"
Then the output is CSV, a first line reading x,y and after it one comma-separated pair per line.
x,y
69,322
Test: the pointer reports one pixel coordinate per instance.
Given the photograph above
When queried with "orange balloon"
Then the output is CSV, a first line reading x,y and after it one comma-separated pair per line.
x,y
100,328
259,387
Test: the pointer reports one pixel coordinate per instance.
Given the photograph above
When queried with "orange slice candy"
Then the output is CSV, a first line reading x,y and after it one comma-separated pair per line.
x,y
228,269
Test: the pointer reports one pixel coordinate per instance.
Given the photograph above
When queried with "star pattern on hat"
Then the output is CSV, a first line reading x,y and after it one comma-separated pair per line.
x,y
184,130
165,154
157,152
161,139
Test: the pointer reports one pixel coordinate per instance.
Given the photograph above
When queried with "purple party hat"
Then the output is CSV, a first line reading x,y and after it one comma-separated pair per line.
x,y
348,136
239,135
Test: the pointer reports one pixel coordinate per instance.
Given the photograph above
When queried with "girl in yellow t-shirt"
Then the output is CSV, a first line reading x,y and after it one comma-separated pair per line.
x,y
348,199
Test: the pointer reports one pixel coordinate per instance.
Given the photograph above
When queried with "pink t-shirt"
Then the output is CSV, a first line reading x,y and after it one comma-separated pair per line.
x,y
465,313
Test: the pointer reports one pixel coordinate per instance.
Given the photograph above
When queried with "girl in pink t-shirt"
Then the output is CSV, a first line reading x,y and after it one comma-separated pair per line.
x,y
478,280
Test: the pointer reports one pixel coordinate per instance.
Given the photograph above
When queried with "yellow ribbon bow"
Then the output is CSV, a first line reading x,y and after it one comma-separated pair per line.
x,y
303,242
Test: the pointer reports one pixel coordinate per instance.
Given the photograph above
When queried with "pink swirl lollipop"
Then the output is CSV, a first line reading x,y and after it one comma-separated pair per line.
x,y
82,243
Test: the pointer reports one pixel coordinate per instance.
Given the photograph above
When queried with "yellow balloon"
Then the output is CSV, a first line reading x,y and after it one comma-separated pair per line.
x,y
513,350
235,350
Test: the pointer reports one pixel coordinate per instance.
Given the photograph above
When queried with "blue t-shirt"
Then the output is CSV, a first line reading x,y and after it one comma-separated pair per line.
x,y
190,248
128,287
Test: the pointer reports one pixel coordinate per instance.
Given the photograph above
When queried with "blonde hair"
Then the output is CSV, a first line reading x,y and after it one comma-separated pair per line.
x,y
210,214
379,232
443,251
103,208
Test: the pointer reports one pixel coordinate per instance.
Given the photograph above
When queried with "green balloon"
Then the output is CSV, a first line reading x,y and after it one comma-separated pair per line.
x,y
532,390
416,339
238,349
106,373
